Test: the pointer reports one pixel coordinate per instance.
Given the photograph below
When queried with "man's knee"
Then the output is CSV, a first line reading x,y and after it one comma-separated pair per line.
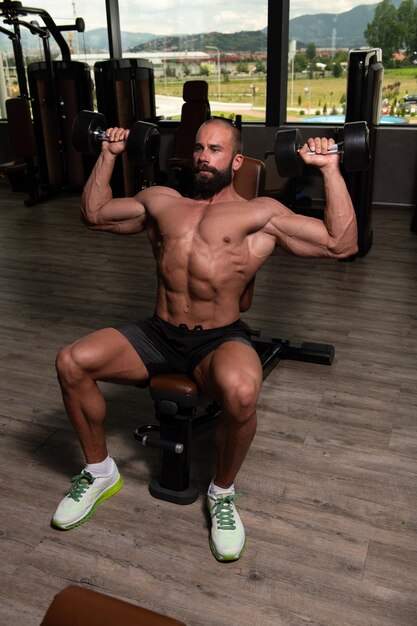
x,y
241,391
69,366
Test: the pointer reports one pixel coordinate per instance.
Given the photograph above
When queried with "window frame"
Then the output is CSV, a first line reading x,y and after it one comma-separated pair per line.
x,y
277,63
113,29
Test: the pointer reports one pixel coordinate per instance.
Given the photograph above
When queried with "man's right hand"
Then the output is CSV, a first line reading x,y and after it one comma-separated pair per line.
x,y
117,140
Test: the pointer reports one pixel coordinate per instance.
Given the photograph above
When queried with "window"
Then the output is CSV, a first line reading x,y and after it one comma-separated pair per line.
x,y
318,51
224,45
85,46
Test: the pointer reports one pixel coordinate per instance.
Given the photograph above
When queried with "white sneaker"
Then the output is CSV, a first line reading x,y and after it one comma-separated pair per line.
x,y
86,493
227,535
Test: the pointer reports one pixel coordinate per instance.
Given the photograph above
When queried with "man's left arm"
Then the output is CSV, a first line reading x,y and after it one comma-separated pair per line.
x,y
334,236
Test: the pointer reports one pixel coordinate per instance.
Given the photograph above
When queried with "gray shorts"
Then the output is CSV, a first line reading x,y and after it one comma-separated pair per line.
x,y
165,348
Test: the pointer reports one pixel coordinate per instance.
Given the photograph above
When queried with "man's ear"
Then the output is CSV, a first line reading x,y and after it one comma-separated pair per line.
x,y
237,162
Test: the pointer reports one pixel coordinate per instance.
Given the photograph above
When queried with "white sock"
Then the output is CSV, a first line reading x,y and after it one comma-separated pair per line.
x,y
215,491
101,470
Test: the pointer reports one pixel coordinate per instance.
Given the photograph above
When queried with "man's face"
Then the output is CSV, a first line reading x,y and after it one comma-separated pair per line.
x,y
208,181
213,160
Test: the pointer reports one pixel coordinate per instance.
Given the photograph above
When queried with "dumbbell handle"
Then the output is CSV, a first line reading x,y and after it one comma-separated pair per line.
x,y
337,148
101,134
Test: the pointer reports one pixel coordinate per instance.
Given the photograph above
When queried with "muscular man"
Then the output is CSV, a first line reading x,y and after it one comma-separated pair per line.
x,y
206,250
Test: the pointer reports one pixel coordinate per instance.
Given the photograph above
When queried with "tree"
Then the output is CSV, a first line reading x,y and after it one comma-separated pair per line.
x,y
300,62
384,31
260,67
310,56
311,51
242,67
337,70
204,69
171,71
407,17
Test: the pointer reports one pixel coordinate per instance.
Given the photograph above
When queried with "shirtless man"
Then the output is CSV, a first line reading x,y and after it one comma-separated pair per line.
x,y
206,250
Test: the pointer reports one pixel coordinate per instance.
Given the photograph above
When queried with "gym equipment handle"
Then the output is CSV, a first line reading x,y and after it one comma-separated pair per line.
x,y
337,148
154,442
101,136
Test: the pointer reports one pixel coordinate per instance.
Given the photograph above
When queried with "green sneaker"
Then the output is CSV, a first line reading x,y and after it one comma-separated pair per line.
x,y
86,493
227,535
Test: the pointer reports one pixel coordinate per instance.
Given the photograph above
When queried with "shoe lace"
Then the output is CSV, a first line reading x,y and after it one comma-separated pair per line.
x,y
223,511
80,484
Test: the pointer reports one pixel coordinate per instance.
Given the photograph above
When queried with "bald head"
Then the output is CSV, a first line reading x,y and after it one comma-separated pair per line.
x,y
235,133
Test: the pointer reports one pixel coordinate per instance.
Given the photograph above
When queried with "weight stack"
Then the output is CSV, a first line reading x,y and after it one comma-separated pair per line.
x,y
125,94
54,108
363,102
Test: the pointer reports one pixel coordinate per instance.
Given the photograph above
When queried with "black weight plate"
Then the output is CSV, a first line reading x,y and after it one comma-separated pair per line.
x,y
85,125
143,143
287,160
356,154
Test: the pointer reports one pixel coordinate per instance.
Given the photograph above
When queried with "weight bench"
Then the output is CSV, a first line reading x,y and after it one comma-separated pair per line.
x,y
182,411
80,606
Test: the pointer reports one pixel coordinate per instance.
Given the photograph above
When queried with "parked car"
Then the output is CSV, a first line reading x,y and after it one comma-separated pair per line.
x,y
409,106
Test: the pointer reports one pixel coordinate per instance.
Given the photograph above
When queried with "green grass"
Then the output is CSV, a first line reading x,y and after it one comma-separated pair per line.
x,y
323,91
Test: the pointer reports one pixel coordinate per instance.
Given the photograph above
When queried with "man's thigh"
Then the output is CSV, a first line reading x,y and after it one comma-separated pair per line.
x,y
231,361
108,356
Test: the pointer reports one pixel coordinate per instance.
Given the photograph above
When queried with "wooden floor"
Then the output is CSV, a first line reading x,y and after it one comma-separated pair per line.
x,y
330,483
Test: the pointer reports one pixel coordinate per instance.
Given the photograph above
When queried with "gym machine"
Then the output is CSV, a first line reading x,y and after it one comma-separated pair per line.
x,y
363,102
126,94
58,93
52,115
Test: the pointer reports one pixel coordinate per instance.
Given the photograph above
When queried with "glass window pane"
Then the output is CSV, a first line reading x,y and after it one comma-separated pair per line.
x,y
319,44
224,45
87,47
8,81
93,41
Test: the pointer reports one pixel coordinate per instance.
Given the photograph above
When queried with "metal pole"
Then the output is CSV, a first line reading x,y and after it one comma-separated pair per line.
x,y
218,73
218,67
3,88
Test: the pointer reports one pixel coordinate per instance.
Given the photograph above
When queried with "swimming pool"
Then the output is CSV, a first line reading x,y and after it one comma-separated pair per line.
x,y
340,119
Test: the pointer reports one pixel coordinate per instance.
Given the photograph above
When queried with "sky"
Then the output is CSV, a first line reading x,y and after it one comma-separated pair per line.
x,y
165,17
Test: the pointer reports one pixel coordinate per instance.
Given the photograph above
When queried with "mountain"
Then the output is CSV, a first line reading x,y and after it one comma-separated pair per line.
x,y
243,41
325,30
95,40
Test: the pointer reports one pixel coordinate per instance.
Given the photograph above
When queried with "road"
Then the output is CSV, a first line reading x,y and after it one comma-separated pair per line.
x,y
168,106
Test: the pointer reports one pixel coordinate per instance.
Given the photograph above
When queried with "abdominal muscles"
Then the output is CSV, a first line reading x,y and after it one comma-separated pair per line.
x,y
203,284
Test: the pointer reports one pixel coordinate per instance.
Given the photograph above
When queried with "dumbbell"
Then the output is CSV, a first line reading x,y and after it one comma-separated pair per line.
x,y
142,144
354,149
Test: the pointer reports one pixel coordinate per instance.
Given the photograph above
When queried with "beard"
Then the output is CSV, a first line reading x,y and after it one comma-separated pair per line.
x,y
206,187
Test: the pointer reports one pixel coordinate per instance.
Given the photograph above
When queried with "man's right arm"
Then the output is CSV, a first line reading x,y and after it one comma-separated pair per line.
x,y
99,210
